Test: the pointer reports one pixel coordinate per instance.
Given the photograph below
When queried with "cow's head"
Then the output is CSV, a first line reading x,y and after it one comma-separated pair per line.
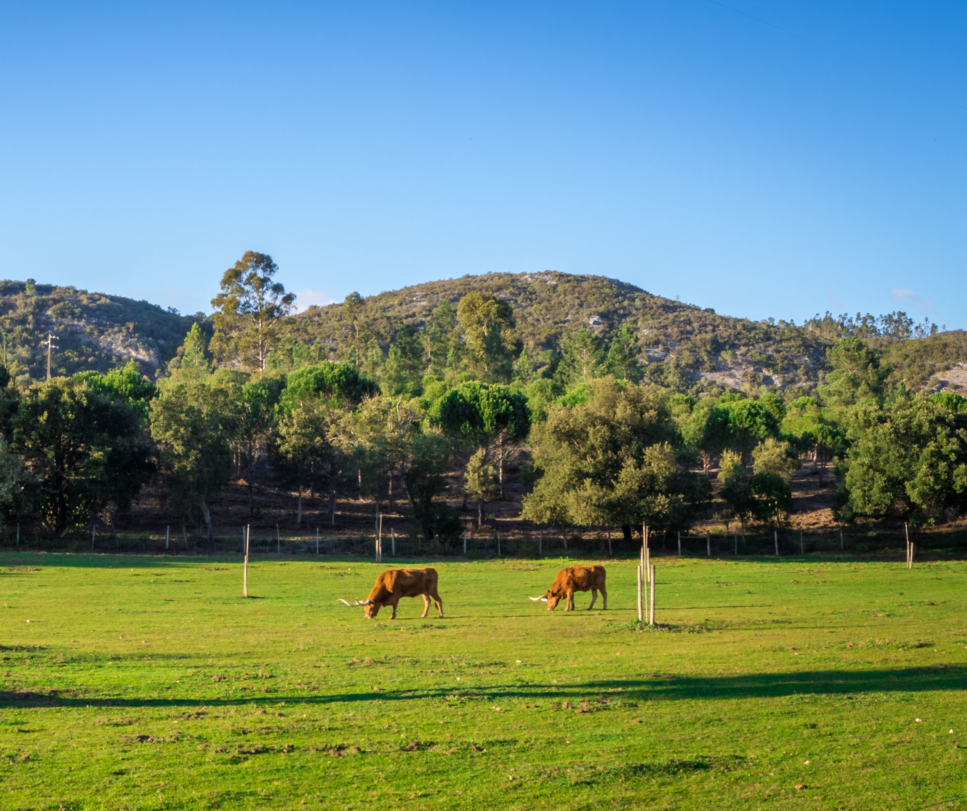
x,y
550,598
370,608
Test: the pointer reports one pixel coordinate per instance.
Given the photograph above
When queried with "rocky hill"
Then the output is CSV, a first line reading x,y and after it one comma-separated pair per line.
x,y
91,331
686,346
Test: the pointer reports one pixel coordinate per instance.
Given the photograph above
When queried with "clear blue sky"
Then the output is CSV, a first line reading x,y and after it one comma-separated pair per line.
x,y
761,158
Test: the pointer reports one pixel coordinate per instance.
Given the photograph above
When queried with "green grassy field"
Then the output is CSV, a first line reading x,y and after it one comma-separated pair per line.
x,y
136,682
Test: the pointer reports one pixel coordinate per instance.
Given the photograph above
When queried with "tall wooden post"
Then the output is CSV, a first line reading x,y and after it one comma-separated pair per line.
x,y
278,541
93,536
842,545
540,544
317,540
708,544
498,544
802,548
906,530
392,541
679,543
167,538
379,540
641,615
775,535
248,530
651,615
464,541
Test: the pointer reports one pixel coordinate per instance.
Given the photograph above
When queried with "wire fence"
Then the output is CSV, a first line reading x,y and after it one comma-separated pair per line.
x,y
482,545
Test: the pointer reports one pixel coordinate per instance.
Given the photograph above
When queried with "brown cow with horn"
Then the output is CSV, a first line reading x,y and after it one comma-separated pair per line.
x,y
393,584
570,580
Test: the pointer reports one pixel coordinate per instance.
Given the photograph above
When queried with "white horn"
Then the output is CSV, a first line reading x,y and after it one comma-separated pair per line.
x,y
364,602
340,600
537,599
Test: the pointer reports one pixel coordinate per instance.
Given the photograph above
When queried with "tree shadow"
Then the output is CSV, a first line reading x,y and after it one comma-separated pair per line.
x,y
850,684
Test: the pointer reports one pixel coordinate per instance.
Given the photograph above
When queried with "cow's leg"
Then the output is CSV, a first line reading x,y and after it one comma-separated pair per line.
x,y
439,603
569,601
604,596
594,596
395,603
426,606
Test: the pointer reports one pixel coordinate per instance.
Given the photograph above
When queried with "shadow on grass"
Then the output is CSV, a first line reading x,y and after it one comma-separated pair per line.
x,y
849,684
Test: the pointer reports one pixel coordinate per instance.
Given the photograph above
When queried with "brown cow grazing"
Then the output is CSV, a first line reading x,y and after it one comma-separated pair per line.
x,y
395,583
576,578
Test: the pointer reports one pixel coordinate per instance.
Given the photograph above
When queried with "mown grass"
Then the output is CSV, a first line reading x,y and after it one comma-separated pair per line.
x,y
149,683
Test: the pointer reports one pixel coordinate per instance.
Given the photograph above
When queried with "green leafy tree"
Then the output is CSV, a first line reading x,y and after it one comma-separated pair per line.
x,y
87,453
192,419
776,457
248,311
736,489
488,326
480,482
424,478
352,314
482,415
584,359
773,498
250,408
906,460
624,354
306,454
124,385
856,375
609,461
441,341
338,384
405,363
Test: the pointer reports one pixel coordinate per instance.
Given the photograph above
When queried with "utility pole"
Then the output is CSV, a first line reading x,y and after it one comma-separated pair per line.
x,y
50,343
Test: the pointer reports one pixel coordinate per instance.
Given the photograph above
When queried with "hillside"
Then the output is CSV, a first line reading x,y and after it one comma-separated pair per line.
x,y
686,346
91,331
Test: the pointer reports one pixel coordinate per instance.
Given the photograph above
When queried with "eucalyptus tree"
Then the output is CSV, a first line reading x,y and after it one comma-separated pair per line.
x,y
248,312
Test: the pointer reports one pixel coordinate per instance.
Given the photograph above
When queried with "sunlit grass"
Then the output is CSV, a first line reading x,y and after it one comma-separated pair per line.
x,y
151,683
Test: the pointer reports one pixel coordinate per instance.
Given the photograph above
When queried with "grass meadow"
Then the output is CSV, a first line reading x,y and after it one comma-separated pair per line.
x,y
150,683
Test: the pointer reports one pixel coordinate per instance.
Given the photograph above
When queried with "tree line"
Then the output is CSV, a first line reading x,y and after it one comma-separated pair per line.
x,y
449,406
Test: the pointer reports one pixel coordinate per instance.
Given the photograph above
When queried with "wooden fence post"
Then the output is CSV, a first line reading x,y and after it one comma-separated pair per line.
x,y
248,530
540,544
18,535
379,539
679,543
93,535
842,544
464,541
641,616
392,541
652,599
317,540
167,538
708,544
802,548
906,530
775,535
278,541
498,544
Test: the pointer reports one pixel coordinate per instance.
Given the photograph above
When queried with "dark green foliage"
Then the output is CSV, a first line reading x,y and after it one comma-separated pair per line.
x,y
772,496
609,461
857,375
86,452
339,383
583,359
424,479
123,385
907,459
